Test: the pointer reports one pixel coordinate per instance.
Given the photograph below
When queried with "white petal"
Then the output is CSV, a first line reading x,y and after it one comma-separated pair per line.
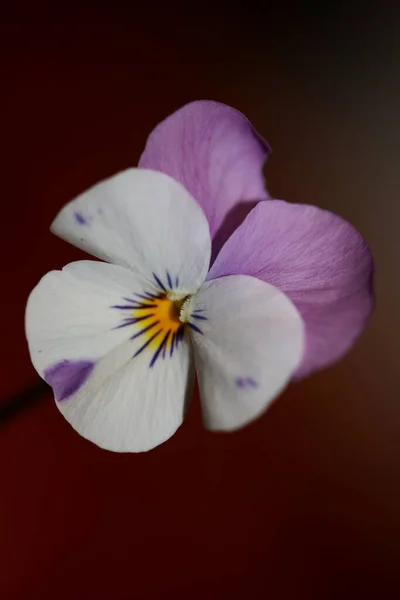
x,y
250,344
120,401
144,220
126,406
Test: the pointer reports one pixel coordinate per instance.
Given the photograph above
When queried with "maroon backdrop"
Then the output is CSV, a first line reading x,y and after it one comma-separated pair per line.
x,y
304,502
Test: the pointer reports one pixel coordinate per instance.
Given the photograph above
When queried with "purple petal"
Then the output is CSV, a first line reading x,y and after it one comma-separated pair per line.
x,y
318,260
67,376
213,150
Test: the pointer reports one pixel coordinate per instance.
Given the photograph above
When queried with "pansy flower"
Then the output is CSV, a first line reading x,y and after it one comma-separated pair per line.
x,y
204,276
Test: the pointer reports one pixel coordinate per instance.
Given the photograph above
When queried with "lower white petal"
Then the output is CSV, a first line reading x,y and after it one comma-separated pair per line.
x,y
248,340
126,406
120,368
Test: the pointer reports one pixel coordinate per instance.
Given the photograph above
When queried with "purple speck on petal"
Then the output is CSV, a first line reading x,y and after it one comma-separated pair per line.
x,y
67,376
252,382
81,219
246,383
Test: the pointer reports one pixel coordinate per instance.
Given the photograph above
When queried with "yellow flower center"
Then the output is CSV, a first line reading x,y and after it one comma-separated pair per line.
x,y
160,323
162,310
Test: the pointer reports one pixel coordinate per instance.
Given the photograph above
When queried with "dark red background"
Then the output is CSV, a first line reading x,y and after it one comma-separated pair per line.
x,y
304,502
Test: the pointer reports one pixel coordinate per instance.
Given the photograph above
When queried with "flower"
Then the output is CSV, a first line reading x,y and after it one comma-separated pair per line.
x,y
288,291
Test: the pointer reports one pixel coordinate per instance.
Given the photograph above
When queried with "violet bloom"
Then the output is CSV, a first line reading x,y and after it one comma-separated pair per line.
x,y
287,293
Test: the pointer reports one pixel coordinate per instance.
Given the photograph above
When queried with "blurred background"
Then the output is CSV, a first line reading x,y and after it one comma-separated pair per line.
x,y
304,503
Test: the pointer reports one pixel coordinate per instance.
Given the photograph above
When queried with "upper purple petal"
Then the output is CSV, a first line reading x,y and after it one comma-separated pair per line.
x,y
318,260
213,150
